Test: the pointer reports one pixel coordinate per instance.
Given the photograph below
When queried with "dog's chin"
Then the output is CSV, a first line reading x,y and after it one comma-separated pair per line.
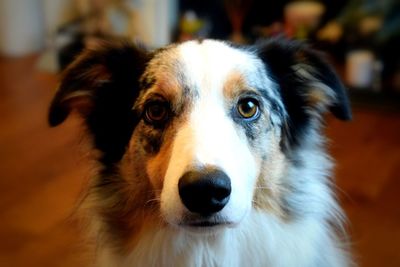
x,y
205,225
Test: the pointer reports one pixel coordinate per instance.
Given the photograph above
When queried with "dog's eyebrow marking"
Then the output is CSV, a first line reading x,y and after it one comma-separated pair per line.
x,y
235,84
147,81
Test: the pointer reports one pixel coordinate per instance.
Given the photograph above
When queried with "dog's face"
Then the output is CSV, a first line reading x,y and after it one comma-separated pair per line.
x,y
209,129
206,116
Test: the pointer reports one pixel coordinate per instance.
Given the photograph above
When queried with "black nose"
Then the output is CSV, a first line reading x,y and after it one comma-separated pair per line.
x,y
206,191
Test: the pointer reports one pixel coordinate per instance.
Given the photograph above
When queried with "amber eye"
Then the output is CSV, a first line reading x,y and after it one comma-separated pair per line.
x,y
248,108
156,112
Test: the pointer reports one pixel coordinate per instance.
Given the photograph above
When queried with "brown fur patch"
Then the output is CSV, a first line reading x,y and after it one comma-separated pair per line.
x,y
117,209
118,205
157,166
79,101
234,85
80,98
269,188
166,86
318,96
98,74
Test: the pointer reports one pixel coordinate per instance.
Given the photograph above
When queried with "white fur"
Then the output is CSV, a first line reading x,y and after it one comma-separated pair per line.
x,y
209,136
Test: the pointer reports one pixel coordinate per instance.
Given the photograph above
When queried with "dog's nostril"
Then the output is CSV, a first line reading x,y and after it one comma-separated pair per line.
x,y
205,191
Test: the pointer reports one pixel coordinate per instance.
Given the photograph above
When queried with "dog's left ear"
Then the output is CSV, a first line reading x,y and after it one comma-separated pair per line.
x,y
307,83
305,77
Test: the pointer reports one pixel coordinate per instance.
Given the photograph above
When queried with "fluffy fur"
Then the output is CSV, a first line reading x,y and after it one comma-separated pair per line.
x,y
155,116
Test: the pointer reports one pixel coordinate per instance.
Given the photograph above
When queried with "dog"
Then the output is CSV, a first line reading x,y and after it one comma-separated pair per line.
x,y
209,153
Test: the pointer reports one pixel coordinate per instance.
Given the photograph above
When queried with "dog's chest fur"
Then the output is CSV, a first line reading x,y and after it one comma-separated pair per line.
x,y
261,241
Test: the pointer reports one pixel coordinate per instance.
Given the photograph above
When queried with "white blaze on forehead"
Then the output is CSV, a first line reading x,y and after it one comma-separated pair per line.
x,y
210,136
207,65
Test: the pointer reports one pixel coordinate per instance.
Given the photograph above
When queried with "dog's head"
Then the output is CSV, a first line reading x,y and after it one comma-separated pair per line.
x,y
208,127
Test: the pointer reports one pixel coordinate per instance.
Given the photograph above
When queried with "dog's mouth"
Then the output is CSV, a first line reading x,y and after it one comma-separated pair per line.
x,y
205,224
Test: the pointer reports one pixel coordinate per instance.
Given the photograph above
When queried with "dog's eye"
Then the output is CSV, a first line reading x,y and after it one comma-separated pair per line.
x,y
156,112
248,108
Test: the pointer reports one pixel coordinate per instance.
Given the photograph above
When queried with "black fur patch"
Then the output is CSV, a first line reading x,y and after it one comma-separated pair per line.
x,y
279,56
110,119
151,139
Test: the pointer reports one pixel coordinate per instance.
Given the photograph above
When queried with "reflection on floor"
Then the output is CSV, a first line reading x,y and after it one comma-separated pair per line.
x,y
43,171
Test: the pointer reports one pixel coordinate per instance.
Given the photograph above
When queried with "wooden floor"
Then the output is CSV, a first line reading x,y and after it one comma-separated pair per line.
x,y
43,171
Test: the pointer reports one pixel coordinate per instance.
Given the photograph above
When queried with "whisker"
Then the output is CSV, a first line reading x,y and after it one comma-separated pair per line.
x,y
152,200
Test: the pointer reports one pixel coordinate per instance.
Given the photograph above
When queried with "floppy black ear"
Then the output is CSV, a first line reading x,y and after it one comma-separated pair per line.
x,y
308,84
102,85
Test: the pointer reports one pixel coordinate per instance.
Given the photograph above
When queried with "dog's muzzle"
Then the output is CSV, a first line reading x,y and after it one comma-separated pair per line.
x,y
205,192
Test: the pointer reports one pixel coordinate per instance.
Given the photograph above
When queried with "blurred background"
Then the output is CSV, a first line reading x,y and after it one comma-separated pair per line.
x,y
43,171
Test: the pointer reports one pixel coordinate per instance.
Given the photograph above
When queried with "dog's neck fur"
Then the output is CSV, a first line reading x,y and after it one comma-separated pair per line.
x,y
261,240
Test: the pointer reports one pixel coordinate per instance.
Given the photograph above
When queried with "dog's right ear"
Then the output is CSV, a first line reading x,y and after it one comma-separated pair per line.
x,y
102,84
114,65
